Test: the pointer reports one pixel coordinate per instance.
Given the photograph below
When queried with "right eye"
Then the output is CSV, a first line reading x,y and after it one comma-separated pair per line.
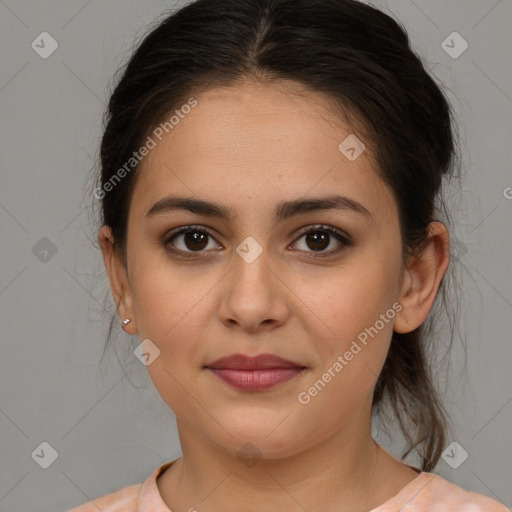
x,y
194,239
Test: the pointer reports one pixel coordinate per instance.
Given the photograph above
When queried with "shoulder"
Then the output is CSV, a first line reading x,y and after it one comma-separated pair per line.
x,y
135,498
430,492
124,500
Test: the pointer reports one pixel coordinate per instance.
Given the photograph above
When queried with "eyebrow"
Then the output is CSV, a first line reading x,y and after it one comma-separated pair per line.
x,y
284,210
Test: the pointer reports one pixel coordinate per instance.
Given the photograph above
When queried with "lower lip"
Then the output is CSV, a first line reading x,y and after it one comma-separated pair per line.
x,y
256,380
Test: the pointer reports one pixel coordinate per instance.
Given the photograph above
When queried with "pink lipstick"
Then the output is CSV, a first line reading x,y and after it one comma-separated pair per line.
x,y
257,373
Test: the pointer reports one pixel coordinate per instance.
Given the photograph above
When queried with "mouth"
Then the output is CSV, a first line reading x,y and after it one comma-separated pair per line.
x,y
257,373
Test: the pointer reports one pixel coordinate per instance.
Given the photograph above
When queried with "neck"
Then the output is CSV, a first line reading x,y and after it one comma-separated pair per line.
x,y
332,475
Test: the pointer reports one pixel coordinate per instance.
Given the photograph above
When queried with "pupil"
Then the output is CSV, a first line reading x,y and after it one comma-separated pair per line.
x,y
192,238
318,239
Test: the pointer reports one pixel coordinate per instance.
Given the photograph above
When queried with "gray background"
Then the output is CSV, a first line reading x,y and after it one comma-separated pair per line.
x,y
111,431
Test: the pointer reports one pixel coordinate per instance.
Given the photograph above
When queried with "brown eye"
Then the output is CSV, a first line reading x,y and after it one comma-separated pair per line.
x,y
195,240
188,240
318,239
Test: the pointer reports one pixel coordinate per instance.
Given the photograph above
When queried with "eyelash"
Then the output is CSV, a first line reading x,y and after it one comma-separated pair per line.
x,y
340,236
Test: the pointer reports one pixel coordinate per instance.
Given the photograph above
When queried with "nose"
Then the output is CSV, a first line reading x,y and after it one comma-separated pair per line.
x,y
254,296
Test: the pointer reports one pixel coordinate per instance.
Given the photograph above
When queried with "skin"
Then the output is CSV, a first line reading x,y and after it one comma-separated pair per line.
x,y
249,147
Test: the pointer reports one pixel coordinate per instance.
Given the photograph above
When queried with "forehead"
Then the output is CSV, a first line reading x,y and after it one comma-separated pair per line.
x,y
258,141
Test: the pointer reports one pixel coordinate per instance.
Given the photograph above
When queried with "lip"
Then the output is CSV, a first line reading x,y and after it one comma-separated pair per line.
x,y
259,362
255,373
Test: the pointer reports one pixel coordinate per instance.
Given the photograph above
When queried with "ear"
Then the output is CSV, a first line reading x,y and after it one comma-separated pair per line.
x,y
118,277
422,277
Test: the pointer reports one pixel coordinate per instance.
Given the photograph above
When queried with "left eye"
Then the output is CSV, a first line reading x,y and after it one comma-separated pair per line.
x,y
319,238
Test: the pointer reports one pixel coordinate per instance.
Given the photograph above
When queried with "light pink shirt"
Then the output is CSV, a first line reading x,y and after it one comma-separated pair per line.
x,y
426,493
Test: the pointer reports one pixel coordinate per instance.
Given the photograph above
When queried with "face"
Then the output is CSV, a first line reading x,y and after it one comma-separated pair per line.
x,y
305,285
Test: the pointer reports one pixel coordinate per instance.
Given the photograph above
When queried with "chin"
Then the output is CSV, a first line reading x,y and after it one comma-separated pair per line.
x,y
253,438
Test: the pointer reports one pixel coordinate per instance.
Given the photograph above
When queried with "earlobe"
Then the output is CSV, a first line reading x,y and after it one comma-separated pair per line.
x,y
422,278
117,275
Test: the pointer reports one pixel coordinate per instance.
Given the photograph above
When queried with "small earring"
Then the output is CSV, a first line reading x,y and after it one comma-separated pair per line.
x,y
126,321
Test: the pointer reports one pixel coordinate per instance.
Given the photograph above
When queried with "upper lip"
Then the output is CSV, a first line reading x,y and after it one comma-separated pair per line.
x,y
259,362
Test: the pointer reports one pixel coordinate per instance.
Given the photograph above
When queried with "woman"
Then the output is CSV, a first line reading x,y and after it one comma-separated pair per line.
x,y
270,177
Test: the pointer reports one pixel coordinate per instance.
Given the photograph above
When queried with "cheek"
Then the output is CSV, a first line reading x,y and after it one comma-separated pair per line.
x,y
357,305
168,309
175,307
165,294
358,310
354,297
171,311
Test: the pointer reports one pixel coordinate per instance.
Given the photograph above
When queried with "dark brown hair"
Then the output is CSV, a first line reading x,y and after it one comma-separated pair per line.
x,y
361,59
